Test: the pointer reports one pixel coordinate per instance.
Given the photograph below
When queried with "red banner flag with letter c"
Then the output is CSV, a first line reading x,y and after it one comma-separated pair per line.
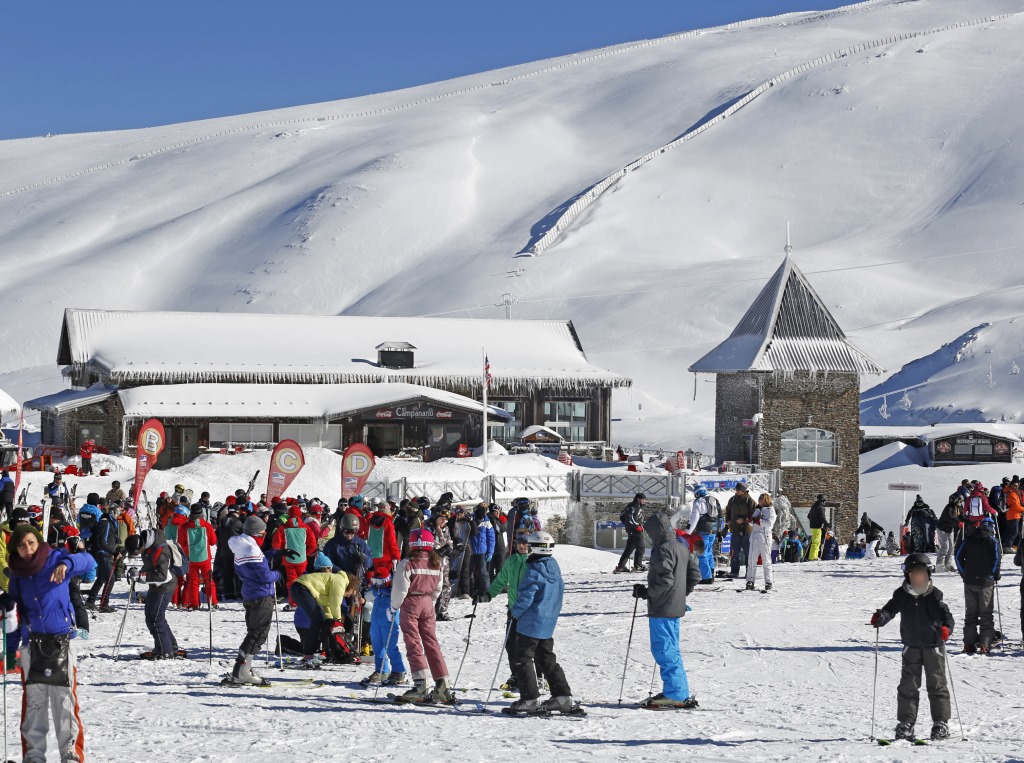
x,y
356,465
286,462
150,445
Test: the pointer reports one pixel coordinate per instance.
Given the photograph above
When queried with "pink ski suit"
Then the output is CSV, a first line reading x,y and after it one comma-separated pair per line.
x,y
415,589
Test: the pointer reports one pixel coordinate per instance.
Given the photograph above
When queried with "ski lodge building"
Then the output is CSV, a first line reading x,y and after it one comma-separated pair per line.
x,y
229,381
788,395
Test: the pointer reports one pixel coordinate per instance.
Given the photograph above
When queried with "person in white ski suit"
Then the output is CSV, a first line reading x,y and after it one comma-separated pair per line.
x,y
762,522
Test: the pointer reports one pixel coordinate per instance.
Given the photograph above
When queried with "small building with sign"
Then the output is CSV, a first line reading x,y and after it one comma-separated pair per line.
x,y
788,393
970,446
222,381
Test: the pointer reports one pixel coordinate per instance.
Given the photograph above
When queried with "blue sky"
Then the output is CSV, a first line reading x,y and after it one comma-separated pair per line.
x,y
69,66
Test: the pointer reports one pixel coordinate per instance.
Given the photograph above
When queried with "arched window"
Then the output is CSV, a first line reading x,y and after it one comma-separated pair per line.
x,y
809,446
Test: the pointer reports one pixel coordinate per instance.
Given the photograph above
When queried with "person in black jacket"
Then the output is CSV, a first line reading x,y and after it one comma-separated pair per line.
x,y
102,545
157,574
873,533
817,520
632,519
925,624
228,526
921,520
978,561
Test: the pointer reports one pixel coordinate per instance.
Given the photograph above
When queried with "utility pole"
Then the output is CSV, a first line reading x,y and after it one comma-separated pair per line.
x,y
506,301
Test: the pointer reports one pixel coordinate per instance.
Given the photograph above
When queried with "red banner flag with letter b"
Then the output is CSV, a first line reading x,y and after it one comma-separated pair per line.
x,y
150,446
285,463
356,465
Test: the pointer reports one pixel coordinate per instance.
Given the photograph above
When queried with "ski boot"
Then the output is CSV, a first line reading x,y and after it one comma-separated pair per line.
x,y
396,679
767,586
510,685
970,649
243,675
374,679
618,570
418,694
562,705
750,585
661,702
310,662
940,730
523,707
442,694
983,650
640,568
83,634
904,731
106,608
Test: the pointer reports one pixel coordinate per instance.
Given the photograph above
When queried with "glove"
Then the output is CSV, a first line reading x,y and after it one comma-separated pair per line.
x,y
875,620
996,577
489,557
640,591
391,614
294,557
944,633
132,574
483,598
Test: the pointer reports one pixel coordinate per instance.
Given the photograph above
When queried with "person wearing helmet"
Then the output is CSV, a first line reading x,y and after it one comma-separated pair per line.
x,y
672,576
519,520
705,517
538,604
346,550
632,519
116,493
978,560
509,577
481,545
416,590
354,508
925,625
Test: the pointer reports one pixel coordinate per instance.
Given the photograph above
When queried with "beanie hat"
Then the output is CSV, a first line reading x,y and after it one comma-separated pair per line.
x,y
230,501
253,525
19,533
321,562
381,575
92,498
20,515
183,500
422,538
197,511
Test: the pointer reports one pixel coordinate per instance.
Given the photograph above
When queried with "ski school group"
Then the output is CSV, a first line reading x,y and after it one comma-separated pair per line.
x,y
359,576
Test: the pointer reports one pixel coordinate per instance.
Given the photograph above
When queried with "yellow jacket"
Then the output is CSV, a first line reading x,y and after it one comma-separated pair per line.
x,y
328,588
5,535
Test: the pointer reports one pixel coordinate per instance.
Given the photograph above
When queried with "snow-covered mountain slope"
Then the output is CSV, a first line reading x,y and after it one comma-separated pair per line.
x,y
976,377
418,201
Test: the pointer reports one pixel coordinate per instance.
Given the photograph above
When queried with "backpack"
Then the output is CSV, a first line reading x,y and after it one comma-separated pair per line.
x,y
177,558
975,508
714,508
339,645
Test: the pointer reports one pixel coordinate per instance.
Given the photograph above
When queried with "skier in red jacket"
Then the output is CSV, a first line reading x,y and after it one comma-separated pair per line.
x,y
197,539
295,543
86,451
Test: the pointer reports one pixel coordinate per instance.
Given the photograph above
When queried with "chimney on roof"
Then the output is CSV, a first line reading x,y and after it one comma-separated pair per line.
x,y
395,355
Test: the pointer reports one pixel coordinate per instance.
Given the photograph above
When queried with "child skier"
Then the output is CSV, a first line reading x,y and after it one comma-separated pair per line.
x,y
538,604
925,624
672,575
418,582
978,560
258,582
388,665
510,576
157,572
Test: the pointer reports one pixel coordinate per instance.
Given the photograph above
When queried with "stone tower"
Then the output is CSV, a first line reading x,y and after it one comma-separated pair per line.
x,y
788,393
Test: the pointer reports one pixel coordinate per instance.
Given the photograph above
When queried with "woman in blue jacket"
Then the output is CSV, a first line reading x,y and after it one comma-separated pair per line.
x,y
39,588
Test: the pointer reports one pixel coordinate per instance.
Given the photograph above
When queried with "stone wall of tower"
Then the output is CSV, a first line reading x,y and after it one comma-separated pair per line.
x,y
736,400
824,401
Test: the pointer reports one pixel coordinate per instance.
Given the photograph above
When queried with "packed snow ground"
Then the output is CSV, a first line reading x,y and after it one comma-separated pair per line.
x,y
785,676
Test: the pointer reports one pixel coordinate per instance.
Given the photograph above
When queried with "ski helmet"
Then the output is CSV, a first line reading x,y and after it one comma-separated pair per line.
x,y
918,559
541,543
521,503
423,503
350,522
700,491
422,538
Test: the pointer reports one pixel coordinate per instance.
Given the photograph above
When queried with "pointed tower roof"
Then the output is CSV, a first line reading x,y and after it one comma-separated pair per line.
x,y
788,328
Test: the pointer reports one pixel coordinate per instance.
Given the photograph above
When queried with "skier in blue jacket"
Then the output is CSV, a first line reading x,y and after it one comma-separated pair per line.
x,y
258,582
481,547
538,604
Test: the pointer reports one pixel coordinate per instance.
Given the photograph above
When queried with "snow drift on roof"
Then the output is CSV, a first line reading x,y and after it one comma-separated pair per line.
x,y
171,347
7,403
69,399
787,328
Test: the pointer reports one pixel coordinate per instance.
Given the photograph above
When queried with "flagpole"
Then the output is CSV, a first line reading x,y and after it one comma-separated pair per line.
x,y
486,385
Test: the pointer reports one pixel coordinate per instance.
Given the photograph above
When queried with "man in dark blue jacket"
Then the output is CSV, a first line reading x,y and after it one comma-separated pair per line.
x,y
632,518
346,550
978,561
102,546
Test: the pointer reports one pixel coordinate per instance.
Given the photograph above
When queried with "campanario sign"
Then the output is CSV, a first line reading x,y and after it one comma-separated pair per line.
x,y
414,412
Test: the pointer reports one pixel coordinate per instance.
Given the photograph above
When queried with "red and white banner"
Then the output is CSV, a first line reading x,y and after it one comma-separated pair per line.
x,y
356,464
285,463
150,445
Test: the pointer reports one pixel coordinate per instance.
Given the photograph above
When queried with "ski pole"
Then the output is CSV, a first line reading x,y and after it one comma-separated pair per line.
x,y
387,644
124,618
3,623
654,673
209,603
952,689
472,619
874,688
497,667
629,644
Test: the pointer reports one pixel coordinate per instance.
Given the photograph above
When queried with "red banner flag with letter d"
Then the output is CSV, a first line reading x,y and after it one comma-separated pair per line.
x,y
285,463
356,465
150,446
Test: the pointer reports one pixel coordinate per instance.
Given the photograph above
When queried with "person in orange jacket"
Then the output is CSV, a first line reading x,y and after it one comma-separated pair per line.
x,y
172,532
197,539
294,542
1014,510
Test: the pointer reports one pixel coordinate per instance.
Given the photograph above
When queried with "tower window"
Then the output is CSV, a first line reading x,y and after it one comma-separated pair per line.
x,y
809,446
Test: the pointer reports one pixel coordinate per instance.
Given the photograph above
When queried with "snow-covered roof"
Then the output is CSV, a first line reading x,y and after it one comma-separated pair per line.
x,y
787,328
172,347
69,399
284,401
538,429
8,403
1014,432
